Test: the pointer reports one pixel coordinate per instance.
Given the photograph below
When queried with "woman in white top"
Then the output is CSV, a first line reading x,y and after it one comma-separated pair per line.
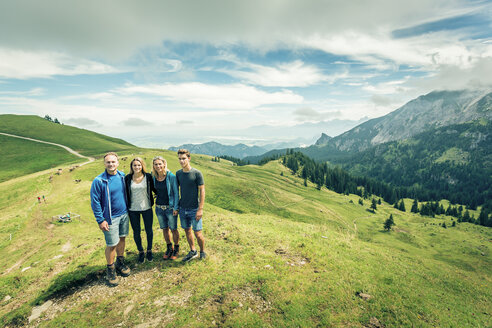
x,y
139,187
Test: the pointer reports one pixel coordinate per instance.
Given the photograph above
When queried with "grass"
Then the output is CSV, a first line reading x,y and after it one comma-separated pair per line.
x,y
280,254
84,141
40,157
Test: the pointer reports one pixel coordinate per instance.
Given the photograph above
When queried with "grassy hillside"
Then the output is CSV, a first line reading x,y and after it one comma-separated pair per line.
x,y
280,254
21,157
83,141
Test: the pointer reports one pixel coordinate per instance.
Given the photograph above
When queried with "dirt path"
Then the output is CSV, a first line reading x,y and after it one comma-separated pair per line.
x,y
70,150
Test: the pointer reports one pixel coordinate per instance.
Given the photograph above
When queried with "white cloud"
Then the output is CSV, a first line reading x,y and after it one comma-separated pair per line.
x,y
227,96
293,74
19,64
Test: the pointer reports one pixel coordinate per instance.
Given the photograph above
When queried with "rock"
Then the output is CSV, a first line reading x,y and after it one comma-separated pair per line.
x,y
268,266
364,296
7,298
128,309
324,237
26,268
374,323
38,310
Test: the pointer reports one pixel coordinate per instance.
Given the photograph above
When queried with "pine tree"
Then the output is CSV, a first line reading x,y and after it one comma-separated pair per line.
x,y
415,206
389,223
374,205
401,207
361,202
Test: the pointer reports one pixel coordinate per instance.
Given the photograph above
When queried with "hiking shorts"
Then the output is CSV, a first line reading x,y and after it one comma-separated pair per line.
x,y
118,228
166,218
187,217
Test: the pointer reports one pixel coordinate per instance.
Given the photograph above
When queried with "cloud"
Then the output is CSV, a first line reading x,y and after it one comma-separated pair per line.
x,y
184,122
135,122
83,121
309,114
33,92
19,64
293,74
227,96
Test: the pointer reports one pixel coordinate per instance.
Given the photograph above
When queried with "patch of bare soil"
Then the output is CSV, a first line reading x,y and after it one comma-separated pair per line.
x,y
95,290
292,259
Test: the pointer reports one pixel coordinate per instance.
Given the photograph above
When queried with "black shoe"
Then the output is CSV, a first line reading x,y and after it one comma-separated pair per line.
x,y
141,257
203,255
169,252
191,255
121,267
111,278
150,257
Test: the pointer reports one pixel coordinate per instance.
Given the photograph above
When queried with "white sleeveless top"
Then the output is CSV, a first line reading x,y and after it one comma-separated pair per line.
x,y
140,199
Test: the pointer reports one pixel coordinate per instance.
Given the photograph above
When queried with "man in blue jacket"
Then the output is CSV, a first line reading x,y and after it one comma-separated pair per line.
x,y
109,204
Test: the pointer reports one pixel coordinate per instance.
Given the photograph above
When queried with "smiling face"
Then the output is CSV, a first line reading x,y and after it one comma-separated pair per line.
x,y
136,166
111,163
159,166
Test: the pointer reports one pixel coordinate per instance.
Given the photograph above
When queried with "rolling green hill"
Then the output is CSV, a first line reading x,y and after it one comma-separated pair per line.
x,y
280,255
20,156
83,141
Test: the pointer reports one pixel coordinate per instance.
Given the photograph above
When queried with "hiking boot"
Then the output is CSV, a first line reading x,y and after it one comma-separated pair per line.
x,y
111,277
169,252
175,252
191,255
121,267
141,257
150,256
203,255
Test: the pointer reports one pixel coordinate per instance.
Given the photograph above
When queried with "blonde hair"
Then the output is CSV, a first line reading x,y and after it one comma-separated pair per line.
x,y
158,158
144,169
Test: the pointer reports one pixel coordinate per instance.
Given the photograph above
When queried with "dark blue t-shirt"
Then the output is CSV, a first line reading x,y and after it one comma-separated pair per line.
x,y
117,191
188,184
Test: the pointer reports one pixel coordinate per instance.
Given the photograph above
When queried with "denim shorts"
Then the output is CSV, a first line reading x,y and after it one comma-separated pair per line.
x,y
118,228
187,217
166,218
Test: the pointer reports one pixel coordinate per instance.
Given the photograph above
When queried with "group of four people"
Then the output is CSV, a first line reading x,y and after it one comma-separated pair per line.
x,y
118,200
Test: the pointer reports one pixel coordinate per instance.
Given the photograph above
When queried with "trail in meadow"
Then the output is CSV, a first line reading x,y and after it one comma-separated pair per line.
x,y
70,150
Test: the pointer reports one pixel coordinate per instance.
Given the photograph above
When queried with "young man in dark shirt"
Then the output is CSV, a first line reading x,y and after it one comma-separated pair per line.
x,y
192,198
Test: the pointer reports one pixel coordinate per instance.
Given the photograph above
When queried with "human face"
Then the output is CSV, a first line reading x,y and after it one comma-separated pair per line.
x,y
111,163
159,166
137,167
184,161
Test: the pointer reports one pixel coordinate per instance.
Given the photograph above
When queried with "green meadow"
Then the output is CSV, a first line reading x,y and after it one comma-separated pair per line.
x,y
83,141
280,255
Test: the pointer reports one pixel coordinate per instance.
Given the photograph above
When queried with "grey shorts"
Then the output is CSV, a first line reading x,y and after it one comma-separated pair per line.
x,y
118,228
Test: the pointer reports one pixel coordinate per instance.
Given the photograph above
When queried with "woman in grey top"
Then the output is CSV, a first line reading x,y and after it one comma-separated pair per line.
x,y
139,187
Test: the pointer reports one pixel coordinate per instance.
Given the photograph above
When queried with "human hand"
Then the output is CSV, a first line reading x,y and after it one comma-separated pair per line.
x,y
104,226
175,213
199,214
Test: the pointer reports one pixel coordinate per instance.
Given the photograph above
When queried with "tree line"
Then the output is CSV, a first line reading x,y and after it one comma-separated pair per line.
x,y
342,182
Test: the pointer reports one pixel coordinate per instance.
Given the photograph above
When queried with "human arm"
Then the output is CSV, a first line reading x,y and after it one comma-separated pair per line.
x,y
96,199
201,191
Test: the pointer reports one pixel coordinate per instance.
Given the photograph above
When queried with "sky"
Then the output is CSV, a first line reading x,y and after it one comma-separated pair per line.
x,y
164,73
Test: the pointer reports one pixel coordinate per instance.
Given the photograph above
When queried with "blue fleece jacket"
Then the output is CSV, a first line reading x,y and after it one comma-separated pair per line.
x,y
101,196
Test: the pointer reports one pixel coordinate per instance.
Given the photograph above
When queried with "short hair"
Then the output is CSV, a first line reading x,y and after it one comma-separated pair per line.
x,y
158,158
183,151
111,153
144,169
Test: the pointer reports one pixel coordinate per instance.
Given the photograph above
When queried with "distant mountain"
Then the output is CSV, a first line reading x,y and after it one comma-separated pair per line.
x,y
216,149
452,162
436,109
322,140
